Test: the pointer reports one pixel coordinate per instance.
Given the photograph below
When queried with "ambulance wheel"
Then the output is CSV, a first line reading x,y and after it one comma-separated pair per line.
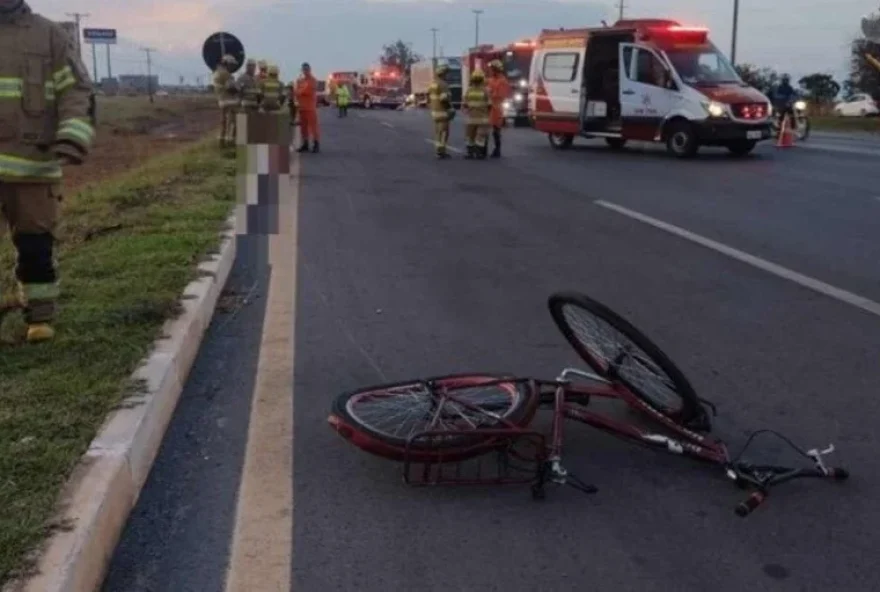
x,y
741,147
681,140
615,143
561,141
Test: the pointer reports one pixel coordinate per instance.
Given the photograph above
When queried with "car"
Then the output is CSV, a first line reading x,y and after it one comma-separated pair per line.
x,y
858,105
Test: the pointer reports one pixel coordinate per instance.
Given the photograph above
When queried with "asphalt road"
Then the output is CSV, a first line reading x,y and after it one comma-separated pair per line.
x,y
407,266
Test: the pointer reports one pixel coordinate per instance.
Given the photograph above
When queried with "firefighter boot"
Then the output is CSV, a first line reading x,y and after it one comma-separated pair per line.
x,y
496,152
470,154
304,147
316,147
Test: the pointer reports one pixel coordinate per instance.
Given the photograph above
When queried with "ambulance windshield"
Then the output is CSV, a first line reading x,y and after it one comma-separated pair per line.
x,y
703,66
517,65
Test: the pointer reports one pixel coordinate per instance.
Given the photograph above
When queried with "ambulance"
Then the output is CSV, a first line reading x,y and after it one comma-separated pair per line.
x,y
648,80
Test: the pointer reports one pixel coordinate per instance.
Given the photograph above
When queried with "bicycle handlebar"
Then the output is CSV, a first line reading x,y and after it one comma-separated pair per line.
x,y
757,498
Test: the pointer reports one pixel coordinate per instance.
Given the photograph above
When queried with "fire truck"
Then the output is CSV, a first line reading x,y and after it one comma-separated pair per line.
x,y
517,60
378,87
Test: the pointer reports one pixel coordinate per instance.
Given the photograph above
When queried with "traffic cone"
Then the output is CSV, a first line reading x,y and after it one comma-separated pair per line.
x,y
786,138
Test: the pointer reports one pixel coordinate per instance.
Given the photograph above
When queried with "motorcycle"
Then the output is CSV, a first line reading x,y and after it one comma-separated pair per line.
x,y
802,121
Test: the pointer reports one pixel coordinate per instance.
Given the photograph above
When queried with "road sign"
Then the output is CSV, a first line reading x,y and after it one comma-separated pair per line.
x,y
222,43
100,36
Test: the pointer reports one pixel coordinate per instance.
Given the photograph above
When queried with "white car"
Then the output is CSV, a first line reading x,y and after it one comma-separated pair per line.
x,y
860,105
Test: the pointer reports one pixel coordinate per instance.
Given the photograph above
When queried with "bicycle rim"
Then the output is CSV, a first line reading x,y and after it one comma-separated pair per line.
x,y
458,405
616,350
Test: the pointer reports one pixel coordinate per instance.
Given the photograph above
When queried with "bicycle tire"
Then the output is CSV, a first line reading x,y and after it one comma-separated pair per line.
x,y
688,409
468,445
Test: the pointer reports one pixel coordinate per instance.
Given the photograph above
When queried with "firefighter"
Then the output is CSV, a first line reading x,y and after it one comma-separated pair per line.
x,y
343,98
477,105
248,87
44,127
227,99
442,112
307,104
499,91
271,91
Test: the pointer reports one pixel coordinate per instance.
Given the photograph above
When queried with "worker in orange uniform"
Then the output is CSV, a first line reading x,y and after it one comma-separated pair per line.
x,y
499,91
307,104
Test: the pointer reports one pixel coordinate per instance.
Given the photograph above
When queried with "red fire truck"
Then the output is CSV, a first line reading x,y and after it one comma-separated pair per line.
x,y
379,87
517,60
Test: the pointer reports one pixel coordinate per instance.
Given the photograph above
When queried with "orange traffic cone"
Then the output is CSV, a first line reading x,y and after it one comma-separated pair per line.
x,y
786,138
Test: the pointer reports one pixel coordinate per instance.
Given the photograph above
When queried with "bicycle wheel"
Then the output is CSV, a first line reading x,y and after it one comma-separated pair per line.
x,y
384,418
616,350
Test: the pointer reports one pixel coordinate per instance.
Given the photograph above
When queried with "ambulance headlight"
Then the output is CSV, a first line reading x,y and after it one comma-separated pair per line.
x,y
523,83
506,105
518,98
715,109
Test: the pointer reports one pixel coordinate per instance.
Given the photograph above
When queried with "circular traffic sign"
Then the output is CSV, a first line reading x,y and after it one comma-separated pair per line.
x,y
219,44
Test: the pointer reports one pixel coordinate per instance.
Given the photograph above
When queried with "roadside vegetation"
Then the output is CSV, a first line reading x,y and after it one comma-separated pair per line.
x,y
128,247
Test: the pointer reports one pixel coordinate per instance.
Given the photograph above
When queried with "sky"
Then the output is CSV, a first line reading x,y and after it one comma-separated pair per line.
x,y
795,36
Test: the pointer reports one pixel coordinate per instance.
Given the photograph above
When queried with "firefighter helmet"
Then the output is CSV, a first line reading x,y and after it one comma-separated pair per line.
x,y
442,70
478,76
273,70
262,64
229,59
496,65
251,62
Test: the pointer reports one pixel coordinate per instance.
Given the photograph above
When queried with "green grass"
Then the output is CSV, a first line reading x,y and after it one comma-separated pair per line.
x,y
139,115
128,249
846,124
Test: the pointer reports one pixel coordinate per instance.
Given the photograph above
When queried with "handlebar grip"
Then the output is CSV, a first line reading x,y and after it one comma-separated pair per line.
x,y
753,501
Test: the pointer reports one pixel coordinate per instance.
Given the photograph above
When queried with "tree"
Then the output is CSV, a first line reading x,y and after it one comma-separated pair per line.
x,y
863,76
820,88
764,79
399,55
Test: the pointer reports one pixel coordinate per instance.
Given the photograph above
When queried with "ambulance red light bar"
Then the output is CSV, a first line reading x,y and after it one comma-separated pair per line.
x,y
678,34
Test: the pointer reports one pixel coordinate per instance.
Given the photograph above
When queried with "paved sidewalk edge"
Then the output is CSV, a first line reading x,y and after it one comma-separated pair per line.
x,y
104,487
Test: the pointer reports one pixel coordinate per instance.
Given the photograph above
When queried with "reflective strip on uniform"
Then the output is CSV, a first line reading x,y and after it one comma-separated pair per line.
x,y
64,79
16,167
10,88
34,292
76,129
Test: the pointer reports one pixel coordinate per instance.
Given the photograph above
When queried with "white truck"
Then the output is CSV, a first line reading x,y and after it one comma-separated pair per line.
x,y
421,75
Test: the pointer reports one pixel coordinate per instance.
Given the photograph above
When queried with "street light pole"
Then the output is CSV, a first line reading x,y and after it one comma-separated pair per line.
x,y
734,33
434,46
477,14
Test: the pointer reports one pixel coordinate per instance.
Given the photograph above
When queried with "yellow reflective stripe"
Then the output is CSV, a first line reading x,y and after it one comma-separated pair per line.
x,y
14,166
34,292
64,79
77,129
10,88
50,90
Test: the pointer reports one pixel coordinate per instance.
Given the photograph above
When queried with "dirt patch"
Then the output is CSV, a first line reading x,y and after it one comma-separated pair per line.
x,y
132,131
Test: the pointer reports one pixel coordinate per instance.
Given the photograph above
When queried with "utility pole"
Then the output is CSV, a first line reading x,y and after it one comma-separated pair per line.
x,y
622,6
149,51
109,70
77,16
434,47
477,14
95,63
733,36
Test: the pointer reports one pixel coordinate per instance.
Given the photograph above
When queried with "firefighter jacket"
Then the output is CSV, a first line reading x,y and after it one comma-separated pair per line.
x,y
477,104
306,91
249,90
44,99
225,87
438,101
499,91
271,94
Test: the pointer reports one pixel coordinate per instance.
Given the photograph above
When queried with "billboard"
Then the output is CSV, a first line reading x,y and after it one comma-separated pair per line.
x,y
100,36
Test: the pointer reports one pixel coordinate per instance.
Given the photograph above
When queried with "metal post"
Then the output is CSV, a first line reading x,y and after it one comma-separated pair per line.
x,y
149,51
434,47
477,14
109,69
95,63
77,16
734,34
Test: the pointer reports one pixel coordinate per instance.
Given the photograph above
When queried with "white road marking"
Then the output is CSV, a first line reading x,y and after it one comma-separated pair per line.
x,y
262,545
777,270
841,149
388,125
450,148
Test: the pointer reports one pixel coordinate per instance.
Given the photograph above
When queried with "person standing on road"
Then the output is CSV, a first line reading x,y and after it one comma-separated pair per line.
x,y
442,112
477,105
307,105
499,91
248,86
44,124
271,92
784,97
343,98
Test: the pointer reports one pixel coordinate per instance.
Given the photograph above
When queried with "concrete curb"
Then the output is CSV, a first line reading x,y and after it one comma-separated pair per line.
x,y
105,485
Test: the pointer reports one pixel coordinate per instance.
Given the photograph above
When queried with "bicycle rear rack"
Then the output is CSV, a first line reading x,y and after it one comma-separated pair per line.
x,y
487,457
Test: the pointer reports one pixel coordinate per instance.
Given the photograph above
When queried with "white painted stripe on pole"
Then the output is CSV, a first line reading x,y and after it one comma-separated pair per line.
x,y
777,270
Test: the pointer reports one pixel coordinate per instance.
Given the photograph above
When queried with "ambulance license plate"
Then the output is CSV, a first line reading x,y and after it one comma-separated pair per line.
x,y
756,135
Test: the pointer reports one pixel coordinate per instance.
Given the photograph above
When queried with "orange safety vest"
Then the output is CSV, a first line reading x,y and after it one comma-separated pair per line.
x,y
499,91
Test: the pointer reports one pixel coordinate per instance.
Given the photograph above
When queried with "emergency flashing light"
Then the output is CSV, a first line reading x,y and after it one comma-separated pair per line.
x,y
677,34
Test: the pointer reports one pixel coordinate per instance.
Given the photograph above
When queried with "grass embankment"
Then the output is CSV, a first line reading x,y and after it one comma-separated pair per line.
x,y
128,248
830,123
